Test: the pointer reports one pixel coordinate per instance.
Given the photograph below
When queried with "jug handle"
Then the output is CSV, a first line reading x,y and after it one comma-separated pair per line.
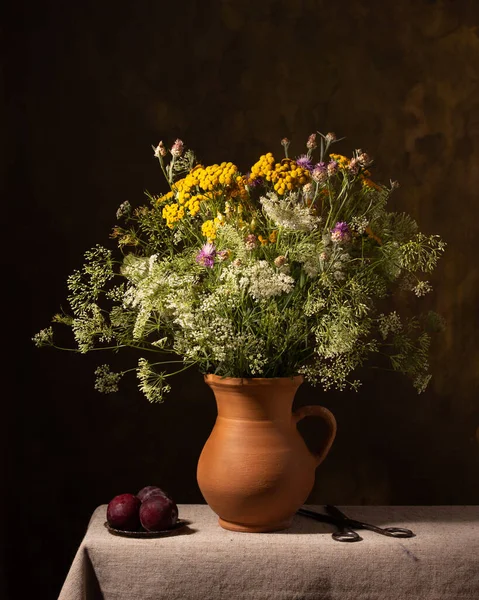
x,y
328,417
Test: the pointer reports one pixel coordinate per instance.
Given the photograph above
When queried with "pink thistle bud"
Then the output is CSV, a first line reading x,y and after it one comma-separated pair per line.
x,y
364,159
308,191
330,137
311,143
332,167
160,150
320,172
285,142
223,255
354,166
341,232
251,241
177,148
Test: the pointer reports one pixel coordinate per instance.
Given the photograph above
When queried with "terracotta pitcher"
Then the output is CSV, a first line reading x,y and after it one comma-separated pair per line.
x,y
255,469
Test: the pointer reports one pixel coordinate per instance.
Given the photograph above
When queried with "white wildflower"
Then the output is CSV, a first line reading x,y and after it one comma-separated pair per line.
x,y
390,323
359,224
421,382
123,210
262,281
43,337
89,327
288,213
422,288
152,384
106,380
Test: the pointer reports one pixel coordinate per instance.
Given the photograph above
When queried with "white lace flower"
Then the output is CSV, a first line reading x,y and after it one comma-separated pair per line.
x,y
288,213
261,281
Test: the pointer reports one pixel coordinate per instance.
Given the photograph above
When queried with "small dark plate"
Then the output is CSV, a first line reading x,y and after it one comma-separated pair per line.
x,y
146,534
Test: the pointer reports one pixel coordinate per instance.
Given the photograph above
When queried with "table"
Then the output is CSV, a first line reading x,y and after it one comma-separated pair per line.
x,y
204,561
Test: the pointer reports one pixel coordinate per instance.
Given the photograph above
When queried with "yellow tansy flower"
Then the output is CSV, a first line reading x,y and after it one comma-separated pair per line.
x,y
173,213
285,176
208,229
343,161
263,240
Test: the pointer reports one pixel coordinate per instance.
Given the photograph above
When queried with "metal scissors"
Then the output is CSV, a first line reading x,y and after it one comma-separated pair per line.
x,y
346,526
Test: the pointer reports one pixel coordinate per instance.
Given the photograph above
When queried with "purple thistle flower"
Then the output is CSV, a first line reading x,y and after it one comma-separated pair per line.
x,y
206,256
304,162
341,232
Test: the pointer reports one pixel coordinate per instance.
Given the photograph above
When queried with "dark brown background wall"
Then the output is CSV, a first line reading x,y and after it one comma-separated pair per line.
x,y
89,87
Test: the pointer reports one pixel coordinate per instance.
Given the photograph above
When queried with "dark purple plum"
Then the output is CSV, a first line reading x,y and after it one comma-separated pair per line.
x,y
150,490
158,513
123,512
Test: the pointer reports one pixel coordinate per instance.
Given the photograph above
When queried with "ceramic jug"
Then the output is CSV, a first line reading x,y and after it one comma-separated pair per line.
x,y
255,469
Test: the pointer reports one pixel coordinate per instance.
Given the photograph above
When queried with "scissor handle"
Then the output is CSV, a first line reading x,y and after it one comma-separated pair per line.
x,y
346,535
397,532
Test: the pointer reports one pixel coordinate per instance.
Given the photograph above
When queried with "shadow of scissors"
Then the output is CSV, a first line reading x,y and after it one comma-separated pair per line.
x,y
346,526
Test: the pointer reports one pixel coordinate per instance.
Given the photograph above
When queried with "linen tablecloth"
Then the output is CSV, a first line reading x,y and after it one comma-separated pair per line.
x,y
204,561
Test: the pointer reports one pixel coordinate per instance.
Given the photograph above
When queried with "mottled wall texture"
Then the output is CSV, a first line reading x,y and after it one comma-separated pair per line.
x,y
89,86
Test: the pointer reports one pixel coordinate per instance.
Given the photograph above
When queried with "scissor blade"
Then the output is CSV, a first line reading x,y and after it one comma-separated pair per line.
x,y
318,516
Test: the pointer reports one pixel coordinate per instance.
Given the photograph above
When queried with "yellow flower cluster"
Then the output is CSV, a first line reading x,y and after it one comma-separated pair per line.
x,y
216,175
239,190
264,166
173,213
285,176
369,183
209,229
270,239
207,179
165,198
343,161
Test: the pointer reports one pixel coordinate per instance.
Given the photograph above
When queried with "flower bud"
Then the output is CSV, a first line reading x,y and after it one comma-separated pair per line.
x,y
311,143
177,148
251,242
320,172
333,168
364,159
160,150
354,166
330,137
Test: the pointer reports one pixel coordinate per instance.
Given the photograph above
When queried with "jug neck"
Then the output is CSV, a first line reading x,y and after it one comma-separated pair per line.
x,y
254,399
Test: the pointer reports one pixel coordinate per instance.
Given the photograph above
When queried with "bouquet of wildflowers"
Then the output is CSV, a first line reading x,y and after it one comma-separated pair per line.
x,y
273,273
